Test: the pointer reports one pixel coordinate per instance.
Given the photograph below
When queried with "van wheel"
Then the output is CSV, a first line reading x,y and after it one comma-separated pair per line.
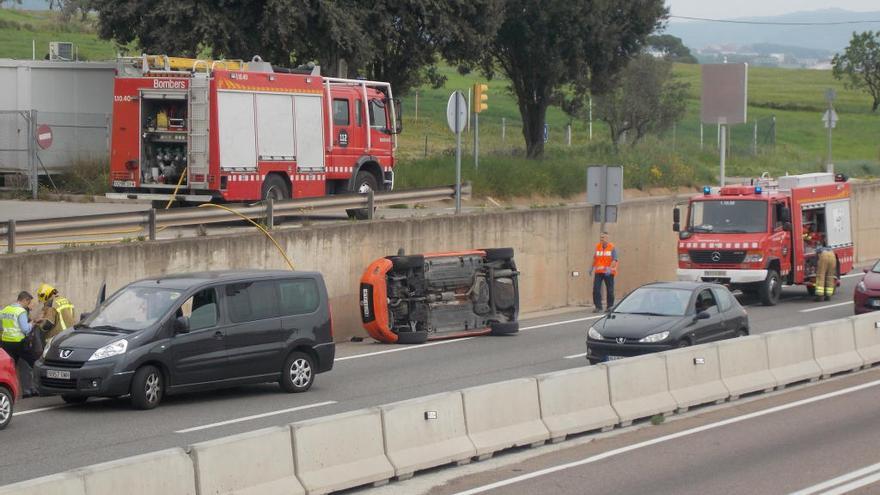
x,y
364,182
5,407
298,373
770,289
147,387
74,399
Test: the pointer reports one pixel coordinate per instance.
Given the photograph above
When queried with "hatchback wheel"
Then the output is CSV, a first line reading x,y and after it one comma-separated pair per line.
x,y
298,373
5,407
147,388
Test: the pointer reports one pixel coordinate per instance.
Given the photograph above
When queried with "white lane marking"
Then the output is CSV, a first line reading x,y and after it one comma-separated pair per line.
x,y
666,438
41,409
256,416
840,490
820,308
575,356
840,479
452,341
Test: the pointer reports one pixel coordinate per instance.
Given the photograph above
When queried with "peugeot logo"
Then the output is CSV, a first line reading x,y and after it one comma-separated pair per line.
x,y
621,340
65,353
716,256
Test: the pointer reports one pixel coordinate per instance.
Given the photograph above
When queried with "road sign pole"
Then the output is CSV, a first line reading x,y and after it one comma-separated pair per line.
x,y
457,158
603,198
477,140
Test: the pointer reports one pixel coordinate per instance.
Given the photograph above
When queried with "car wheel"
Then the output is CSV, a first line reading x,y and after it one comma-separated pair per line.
x,y
404,263
74,399
771,289
504,328
5,407
683,343
364,182
298,374
742,332
417,337
147,387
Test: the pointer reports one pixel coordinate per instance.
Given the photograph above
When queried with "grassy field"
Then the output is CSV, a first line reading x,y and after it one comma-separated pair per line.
x,y
787,104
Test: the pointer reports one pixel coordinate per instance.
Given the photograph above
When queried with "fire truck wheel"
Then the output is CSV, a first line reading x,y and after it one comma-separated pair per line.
x,y
275,188
364,182
771,289
412,337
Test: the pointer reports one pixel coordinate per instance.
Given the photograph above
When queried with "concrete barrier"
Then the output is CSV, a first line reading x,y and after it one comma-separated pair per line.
x,y
694,376
834,347
867,334
638,387
790,356
340,451
576,400
426,432
56,484
744,365
257,462
163,472
504,415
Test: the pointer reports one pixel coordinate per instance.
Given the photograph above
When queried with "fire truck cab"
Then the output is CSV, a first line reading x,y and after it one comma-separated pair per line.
x,y
759,236
201,130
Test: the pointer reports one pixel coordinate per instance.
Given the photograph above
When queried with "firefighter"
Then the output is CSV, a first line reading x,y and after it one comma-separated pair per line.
x,y
57,312
605,265
825,273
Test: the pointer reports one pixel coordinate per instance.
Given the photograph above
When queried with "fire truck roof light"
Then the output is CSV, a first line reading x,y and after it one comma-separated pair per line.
x,y
707,190
758,190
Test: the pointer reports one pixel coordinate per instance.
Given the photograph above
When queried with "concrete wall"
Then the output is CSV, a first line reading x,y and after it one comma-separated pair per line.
x,y
549,243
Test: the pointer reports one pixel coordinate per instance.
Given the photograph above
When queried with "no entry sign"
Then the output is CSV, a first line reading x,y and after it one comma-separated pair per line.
x,y
44,136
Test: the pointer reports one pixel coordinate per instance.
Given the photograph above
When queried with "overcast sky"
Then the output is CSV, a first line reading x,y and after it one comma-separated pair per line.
x,y
722,9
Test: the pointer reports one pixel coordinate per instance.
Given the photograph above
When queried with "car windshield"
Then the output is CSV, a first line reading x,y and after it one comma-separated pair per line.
x,y
133,308
655,301
728,216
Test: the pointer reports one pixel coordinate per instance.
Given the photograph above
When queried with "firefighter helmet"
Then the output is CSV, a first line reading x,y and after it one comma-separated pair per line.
x,y
45,292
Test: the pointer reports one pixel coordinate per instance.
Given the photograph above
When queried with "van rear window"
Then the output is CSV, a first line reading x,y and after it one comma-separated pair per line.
x,y
298,296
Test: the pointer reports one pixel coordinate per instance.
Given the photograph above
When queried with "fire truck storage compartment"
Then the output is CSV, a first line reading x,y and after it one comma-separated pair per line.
x,y
164,136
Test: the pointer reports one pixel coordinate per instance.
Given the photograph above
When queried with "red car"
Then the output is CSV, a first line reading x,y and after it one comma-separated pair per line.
x,y
867,294
9,392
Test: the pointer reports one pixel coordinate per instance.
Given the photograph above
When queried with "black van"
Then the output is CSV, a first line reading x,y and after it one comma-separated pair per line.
x,y
191,332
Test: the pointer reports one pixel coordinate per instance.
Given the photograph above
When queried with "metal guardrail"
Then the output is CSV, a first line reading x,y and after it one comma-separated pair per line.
x,y
151,221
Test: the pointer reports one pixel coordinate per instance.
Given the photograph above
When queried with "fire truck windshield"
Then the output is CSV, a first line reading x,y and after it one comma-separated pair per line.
x,y
728,216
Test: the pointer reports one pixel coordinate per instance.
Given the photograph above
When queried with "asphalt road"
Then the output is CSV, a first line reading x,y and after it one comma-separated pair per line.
x,y
816,439
46,436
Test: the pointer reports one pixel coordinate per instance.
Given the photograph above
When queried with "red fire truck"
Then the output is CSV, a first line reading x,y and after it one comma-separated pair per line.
x,y
759,236
202,130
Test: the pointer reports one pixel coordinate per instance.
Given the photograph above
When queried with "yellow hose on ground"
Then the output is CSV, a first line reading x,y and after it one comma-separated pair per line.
x,y
255,224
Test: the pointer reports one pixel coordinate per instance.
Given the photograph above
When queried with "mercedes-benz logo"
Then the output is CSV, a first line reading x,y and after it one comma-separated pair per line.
x,y
621,340
716,256
65,353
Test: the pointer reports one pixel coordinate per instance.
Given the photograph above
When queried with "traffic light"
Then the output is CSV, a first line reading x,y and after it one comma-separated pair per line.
x,y
480,97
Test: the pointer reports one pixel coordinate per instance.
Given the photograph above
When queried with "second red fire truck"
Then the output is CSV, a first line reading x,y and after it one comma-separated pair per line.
x,y
760,236
200,130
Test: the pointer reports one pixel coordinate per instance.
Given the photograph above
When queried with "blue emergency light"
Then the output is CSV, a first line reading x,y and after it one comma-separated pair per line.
x,y
707,190
758,190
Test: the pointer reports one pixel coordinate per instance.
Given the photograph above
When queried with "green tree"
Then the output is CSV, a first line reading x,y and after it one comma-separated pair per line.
x,y
859,65
550,49
671,47
646,99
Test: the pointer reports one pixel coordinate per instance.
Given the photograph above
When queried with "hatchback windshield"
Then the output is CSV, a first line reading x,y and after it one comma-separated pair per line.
x,y
133,308
728,216
655,301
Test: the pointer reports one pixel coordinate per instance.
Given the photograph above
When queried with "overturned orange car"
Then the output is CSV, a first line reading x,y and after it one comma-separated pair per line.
x,y
415,298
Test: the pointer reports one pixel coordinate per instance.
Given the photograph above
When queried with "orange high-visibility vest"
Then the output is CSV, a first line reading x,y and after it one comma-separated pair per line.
x,y
602,259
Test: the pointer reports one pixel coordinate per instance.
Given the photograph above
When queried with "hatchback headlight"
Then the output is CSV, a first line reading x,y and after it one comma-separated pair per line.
x,y
657,337
110,350
594,334
861,286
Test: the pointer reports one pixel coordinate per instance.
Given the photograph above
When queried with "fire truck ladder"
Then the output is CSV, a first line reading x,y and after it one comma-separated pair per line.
x,y
363,85
197,162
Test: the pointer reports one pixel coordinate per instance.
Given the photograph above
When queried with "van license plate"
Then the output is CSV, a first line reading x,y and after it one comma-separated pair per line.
x,y
63,375
613,358
716,273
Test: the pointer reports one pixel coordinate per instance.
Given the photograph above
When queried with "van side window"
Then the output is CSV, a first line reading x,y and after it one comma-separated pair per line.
x,y
340,112
298,296
251,301
201,309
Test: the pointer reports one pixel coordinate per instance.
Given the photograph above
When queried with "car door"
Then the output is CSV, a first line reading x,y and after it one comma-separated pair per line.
x,y
730,318
254,339
710,328
199,355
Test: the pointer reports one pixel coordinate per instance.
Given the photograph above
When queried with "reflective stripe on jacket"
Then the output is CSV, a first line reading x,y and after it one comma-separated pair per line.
x,y
12,331
63,307
603,258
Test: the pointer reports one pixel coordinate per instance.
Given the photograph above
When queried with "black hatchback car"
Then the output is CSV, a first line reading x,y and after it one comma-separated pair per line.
x,y
192,332
661,316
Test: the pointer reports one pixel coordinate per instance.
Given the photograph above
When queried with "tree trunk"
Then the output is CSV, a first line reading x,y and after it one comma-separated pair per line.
x,y
534,116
